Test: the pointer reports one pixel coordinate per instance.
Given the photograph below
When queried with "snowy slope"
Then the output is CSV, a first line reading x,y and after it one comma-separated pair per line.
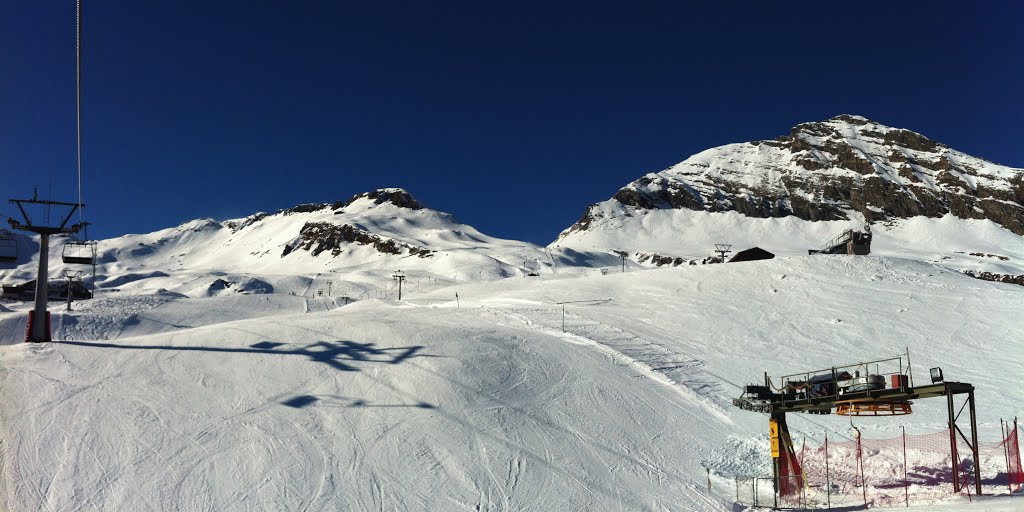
x,y
693,234
422,405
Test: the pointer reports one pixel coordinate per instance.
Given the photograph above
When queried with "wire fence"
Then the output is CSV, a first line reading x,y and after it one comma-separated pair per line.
x,y
869,473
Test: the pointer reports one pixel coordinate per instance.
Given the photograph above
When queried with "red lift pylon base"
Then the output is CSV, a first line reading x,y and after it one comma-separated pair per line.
x,y
31,323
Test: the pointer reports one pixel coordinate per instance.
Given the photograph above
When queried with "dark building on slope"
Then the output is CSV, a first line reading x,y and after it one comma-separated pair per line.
x,y
752,254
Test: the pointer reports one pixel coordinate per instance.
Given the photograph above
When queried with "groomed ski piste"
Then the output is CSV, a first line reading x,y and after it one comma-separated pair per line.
x,y
164,401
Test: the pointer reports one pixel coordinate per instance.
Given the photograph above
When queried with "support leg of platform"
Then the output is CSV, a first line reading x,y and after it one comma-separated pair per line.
x,y
974,444
952,444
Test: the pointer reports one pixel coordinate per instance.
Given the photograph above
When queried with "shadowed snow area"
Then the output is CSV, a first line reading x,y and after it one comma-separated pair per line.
x,y
174,399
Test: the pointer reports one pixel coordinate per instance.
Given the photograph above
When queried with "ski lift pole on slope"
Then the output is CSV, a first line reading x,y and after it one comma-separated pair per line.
x,y
39,317
589,302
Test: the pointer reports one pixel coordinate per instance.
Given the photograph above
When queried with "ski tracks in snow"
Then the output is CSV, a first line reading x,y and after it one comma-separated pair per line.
x,y
634,344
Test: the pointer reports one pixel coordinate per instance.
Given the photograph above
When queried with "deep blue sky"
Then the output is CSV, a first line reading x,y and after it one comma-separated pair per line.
x,y
514,116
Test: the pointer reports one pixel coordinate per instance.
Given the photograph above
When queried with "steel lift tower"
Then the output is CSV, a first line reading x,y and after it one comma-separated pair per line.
x,y
39,324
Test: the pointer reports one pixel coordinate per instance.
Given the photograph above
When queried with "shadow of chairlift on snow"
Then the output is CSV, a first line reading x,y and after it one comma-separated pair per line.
x,y
340,355
301,401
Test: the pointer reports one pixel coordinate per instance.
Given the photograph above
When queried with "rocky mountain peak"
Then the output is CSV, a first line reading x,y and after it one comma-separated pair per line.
x,y
395,196
829,170
847,127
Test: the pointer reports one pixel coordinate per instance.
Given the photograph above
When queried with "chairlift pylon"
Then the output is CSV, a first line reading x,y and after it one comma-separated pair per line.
x,y
8,247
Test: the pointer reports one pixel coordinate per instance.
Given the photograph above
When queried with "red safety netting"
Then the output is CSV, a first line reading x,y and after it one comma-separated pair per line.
x,y
905,469
791,475
1011,449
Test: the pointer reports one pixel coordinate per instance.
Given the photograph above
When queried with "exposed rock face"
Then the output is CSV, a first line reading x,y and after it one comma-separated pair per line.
x,y
395,196
659,260
318,237
826,170
236,226
999,278
305,208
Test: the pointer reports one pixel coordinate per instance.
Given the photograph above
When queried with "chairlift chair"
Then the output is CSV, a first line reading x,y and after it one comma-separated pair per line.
x,y
8,247
79,252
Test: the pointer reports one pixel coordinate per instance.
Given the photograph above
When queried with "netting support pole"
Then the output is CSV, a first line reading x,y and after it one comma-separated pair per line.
x,y
755,491
860,465
974,444
1006,455
803,474
952,443
1016,442
906,486
828,482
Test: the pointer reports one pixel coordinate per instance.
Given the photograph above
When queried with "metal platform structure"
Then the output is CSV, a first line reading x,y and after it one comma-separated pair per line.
x,y
884,395
844,390
851,242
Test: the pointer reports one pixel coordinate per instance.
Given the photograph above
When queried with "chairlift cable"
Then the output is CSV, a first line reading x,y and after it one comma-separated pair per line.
x,y
78,99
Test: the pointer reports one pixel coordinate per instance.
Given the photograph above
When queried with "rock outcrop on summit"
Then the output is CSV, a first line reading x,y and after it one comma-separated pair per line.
x,y
845,168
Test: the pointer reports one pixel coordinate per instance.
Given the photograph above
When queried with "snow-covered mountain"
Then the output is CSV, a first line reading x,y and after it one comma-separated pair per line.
x,y
262,363
368,238
923,199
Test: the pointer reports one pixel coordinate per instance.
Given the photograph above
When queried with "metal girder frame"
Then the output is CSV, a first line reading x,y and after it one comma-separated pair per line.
x,y
972,443
947,389
46,230
880,395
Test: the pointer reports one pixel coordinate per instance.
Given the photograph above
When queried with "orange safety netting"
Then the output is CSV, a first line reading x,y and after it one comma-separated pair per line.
x,y
1011,447
791,476
873,471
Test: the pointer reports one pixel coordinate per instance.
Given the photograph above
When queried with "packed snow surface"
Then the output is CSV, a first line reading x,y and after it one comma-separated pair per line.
x,y
468,394
963,244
